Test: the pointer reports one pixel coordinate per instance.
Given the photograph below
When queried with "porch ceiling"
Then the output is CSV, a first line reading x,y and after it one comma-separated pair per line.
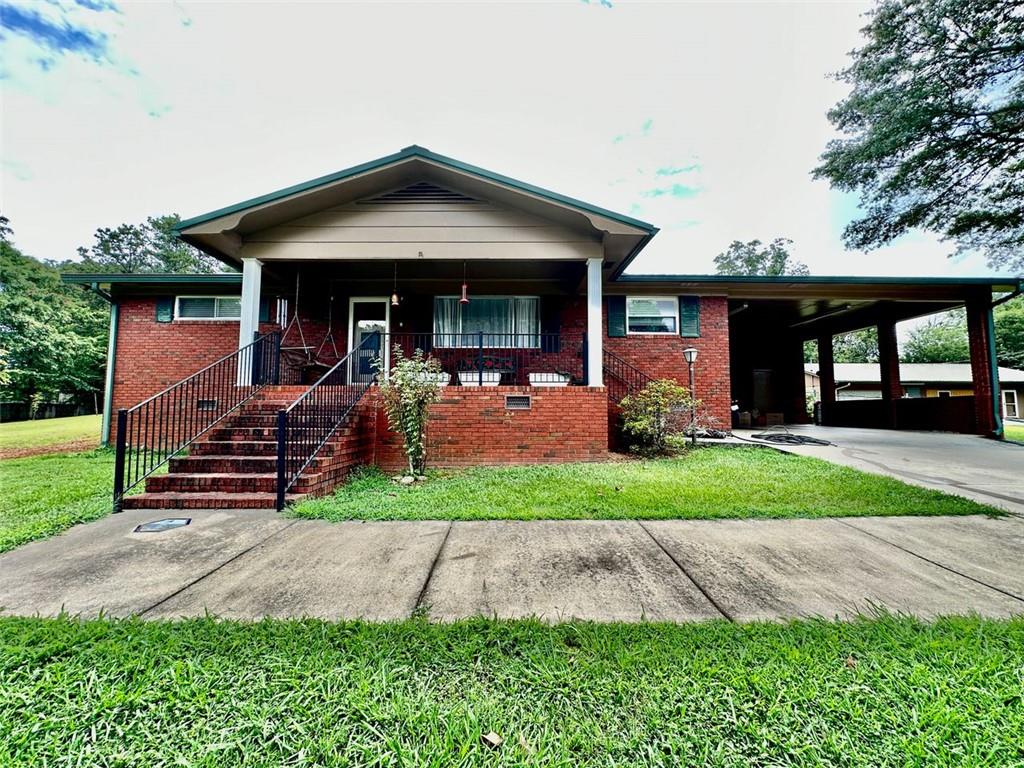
x,y
809,318
429,277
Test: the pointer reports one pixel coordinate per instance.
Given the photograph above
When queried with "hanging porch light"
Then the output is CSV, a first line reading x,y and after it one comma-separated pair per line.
x,y
464,299
394,291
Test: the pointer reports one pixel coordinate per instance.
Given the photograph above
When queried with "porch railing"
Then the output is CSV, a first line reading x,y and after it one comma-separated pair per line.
x,y
622,378
158,428
305,426
481,359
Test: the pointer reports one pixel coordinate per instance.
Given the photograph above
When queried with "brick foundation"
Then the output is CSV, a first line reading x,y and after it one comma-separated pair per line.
x,y
472,426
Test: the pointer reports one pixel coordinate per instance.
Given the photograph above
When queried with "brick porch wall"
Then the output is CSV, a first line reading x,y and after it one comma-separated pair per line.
x,y
471,426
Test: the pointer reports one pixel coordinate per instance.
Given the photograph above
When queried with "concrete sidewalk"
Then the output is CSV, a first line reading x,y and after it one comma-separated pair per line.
x,y
254,564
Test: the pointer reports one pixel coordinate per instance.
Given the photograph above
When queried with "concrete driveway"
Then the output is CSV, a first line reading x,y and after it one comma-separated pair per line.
x,y
253,564
988,471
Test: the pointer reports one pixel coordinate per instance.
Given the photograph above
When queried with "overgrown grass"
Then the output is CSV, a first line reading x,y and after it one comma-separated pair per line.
x,y
47,432
714,482
882,692
44,495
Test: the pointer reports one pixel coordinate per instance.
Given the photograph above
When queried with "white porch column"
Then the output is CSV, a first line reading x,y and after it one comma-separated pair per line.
x,y
249,320
595,331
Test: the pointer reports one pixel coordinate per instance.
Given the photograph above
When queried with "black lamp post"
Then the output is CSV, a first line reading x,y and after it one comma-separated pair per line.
x,y
690,355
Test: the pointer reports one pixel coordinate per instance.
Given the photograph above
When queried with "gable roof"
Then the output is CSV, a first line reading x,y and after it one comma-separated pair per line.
x,y
951,373
407,153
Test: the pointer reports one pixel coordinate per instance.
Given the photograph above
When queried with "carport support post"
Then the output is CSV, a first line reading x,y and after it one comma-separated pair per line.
x,y
826,376
889,362
984,370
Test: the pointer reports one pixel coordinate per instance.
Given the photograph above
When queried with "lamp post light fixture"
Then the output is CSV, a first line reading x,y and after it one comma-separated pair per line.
x,y
690,356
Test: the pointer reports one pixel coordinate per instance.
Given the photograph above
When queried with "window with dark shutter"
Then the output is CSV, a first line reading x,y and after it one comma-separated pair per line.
x,y
689,316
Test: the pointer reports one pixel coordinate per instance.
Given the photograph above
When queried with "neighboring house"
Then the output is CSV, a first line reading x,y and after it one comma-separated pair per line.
x,y
863,381
522,294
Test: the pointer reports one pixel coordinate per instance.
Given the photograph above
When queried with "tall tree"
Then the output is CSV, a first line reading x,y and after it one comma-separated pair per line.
x,y
942,339
754,258
147,247
934,126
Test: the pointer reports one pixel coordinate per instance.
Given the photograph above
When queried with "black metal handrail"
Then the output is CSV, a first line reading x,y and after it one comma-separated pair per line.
x,y
622,378
161,426
479,359
305,426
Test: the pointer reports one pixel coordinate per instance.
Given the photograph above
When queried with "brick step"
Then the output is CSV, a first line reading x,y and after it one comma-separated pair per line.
x,y
243,433
230,483
234,448
206,500
225,482
222,464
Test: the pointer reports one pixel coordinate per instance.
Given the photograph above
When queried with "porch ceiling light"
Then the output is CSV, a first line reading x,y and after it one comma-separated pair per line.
x,y
394,290
464,299
690,355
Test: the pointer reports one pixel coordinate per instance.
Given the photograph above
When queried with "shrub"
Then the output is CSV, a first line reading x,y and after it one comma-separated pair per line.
x,y
658,416
408,390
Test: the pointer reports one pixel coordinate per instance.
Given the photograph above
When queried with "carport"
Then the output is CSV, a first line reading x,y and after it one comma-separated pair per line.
x,y
770,318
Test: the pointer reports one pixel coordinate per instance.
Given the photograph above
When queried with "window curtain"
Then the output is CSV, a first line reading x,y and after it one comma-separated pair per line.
x,y
446,320
526,317
504,321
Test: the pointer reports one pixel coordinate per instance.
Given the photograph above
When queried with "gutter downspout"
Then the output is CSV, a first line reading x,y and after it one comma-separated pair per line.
x,y
108,385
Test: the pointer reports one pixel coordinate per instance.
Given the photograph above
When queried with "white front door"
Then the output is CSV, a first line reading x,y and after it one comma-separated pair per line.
x,y
368,322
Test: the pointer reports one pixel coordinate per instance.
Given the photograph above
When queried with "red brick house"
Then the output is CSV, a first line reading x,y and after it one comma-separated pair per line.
x,y
265,376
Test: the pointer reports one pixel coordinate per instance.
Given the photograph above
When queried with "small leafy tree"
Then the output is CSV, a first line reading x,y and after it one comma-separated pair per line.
x,y
657,416
408,390
755,258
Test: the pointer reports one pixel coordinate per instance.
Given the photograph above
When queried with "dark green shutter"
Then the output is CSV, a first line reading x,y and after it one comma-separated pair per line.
x,y
616,317
265,302
689,316
164,309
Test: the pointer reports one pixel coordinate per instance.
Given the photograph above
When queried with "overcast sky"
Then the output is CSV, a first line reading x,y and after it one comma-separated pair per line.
x,y
704,119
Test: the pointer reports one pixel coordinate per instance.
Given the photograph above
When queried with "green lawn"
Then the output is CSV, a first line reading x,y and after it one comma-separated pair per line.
x,y
44,495
1014,431
880,692
47,432
706,483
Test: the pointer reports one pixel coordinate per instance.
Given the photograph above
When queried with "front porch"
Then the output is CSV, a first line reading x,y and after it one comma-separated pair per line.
x,y
487,323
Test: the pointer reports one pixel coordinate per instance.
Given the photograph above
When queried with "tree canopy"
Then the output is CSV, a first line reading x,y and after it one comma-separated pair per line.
x,y
754,258
933,128
147,247
52,336
1009,322
941,339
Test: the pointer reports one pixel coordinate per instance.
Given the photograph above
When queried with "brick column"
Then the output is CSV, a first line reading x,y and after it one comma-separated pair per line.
x,y
826,377
984,373
889,362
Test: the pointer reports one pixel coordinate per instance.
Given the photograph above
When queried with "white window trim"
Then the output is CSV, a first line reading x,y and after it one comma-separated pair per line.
x,y
441,334
1006,404
674,299
941,392
177,310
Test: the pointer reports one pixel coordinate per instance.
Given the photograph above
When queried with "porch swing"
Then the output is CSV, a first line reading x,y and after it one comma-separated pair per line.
x,y
301,356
